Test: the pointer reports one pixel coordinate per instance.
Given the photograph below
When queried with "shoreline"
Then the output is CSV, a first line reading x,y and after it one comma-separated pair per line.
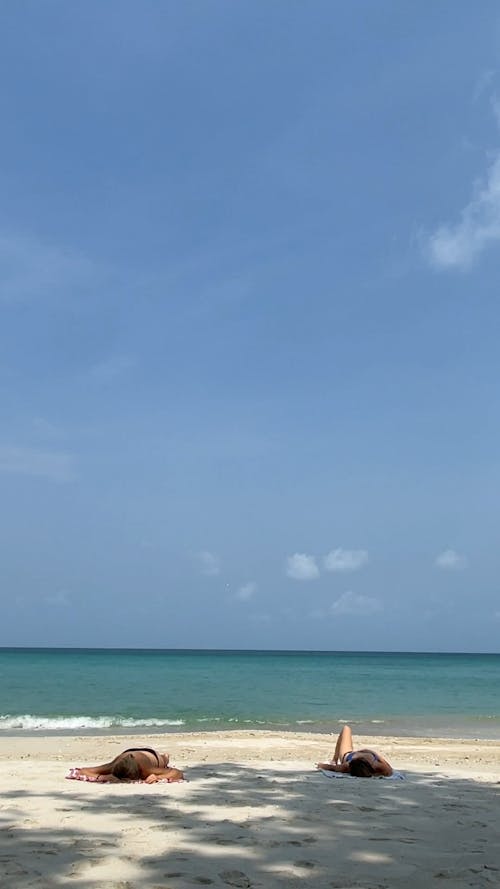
x,y
254,813
470,730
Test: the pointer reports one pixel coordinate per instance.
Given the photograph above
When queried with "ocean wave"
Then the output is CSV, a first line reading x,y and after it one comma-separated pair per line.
x,y
29,722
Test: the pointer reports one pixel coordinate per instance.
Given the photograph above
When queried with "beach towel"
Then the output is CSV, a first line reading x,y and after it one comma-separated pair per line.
x,y
74,775
396,776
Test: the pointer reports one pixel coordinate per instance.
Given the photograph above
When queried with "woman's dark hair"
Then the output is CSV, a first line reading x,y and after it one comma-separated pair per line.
x,y
126,769
361,768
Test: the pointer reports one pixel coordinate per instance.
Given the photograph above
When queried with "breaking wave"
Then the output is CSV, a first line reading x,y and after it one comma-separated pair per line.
x,y
28,722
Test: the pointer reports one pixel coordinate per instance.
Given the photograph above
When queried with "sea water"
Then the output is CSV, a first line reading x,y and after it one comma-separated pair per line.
x,y
145,691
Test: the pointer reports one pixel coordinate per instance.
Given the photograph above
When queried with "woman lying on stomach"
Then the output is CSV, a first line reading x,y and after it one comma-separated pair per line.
x,y
134,764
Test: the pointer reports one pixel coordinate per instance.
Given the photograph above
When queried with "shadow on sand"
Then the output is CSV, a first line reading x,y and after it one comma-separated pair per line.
x,y
235,826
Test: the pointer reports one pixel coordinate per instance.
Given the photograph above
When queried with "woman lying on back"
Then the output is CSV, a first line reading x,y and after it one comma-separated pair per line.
x,y
134,764
360,763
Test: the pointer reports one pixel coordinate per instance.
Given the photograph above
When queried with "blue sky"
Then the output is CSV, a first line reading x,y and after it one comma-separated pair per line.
x,y
249,301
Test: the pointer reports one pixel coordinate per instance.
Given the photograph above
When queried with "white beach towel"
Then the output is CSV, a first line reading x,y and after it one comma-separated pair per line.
x,y
396,776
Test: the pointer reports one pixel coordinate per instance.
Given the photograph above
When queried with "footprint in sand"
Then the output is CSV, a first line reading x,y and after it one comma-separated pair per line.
x,y
391,839
235,878
81,868
345,884
304,841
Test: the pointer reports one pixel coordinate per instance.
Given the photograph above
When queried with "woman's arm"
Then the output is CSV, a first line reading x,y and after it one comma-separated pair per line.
x,y
170,775
332,767
382,767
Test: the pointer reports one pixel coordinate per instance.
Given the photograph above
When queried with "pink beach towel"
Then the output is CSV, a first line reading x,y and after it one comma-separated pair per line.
x,y
74,775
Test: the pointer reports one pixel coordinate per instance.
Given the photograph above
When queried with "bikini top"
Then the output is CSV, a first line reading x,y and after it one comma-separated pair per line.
x,y
348,757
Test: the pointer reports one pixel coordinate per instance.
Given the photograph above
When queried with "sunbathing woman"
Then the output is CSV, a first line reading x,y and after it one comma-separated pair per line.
x,y
134,764
360,763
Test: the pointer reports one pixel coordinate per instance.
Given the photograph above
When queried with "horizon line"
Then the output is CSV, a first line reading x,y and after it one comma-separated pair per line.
x,y
128,648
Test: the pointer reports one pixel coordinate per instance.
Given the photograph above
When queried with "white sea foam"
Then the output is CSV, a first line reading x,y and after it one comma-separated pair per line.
x,y
28,722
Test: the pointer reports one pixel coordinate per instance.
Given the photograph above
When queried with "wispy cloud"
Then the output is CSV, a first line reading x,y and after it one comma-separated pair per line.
x,y
44,428
351,603
246,592
483,83
450,560
345,560
302,567
56,467
458,245
59,599
111,368
31,270
317,614
495,104
260,617
209,563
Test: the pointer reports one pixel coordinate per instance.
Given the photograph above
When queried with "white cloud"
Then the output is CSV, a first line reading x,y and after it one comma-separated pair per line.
x,y
302,567
351,603
460,244
245,592
450,560
57,467
345,560
209,563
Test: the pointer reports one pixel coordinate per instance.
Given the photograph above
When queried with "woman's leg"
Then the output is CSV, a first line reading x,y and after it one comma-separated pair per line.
x,y
95,771
343,745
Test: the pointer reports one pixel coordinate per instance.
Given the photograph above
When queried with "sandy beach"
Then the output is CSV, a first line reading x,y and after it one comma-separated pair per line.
x,y
253,812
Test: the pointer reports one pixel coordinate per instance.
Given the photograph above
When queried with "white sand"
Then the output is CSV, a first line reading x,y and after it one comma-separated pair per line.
x,y
254,812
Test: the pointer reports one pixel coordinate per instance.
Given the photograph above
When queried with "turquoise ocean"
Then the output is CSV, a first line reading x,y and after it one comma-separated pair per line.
x,y
143,692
